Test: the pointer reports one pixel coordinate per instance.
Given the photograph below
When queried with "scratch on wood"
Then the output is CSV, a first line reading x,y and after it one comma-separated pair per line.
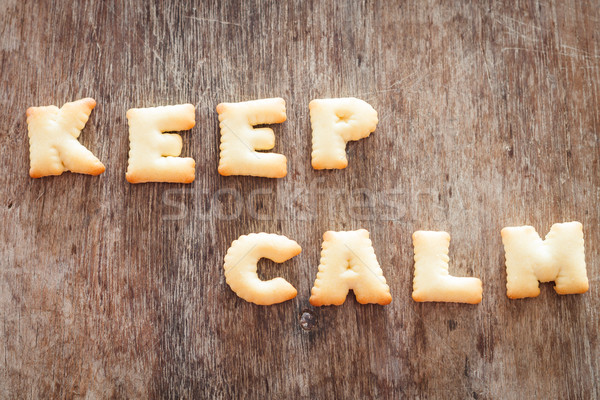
x,y
214,20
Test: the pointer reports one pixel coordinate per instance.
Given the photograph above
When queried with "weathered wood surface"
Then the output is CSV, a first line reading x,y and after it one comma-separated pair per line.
x,y
488,118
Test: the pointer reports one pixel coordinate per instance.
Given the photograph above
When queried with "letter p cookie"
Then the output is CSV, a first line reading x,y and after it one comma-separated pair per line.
x,y
334,123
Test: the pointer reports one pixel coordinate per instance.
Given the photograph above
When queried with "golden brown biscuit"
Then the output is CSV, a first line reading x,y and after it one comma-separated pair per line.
x,y
240,267
348,261
153,155
559,258
240,140
334,123
53,145
432,281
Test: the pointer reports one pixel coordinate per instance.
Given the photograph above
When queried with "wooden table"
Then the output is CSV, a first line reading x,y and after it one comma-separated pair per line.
x,y
488,117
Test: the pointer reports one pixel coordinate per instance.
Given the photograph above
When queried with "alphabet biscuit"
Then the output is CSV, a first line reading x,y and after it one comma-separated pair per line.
x,y
53,144
432,281
559,258
153,156
240,140
241,265
348,261
334,123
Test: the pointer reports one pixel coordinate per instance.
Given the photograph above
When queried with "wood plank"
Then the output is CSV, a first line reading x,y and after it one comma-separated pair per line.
x,y
488,118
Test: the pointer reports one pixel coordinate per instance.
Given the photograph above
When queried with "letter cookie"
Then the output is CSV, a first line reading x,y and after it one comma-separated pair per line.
x,y
53,144
432,281
153,156
334,123
559,258
348,261
240,267
239,139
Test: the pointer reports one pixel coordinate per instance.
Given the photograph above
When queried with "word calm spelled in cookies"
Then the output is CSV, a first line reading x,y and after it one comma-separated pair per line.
x,y
348,261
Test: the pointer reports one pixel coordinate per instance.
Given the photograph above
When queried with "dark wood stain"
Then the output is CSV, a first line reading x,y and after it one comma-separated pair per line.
x,y
488,118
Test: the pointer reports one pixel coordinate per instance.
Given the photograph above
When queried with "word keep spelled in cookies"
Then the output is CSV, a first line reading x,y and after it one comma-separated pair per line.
x,y
154,155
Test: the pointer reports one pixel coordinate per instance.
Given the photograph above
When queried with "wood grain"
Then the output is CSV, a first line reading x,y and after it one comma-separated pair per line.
x,y
488,118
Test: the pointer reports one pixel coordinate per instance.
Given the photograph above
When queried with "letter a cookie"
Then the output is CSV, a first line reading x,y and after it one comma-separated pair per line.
x,y
348,261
